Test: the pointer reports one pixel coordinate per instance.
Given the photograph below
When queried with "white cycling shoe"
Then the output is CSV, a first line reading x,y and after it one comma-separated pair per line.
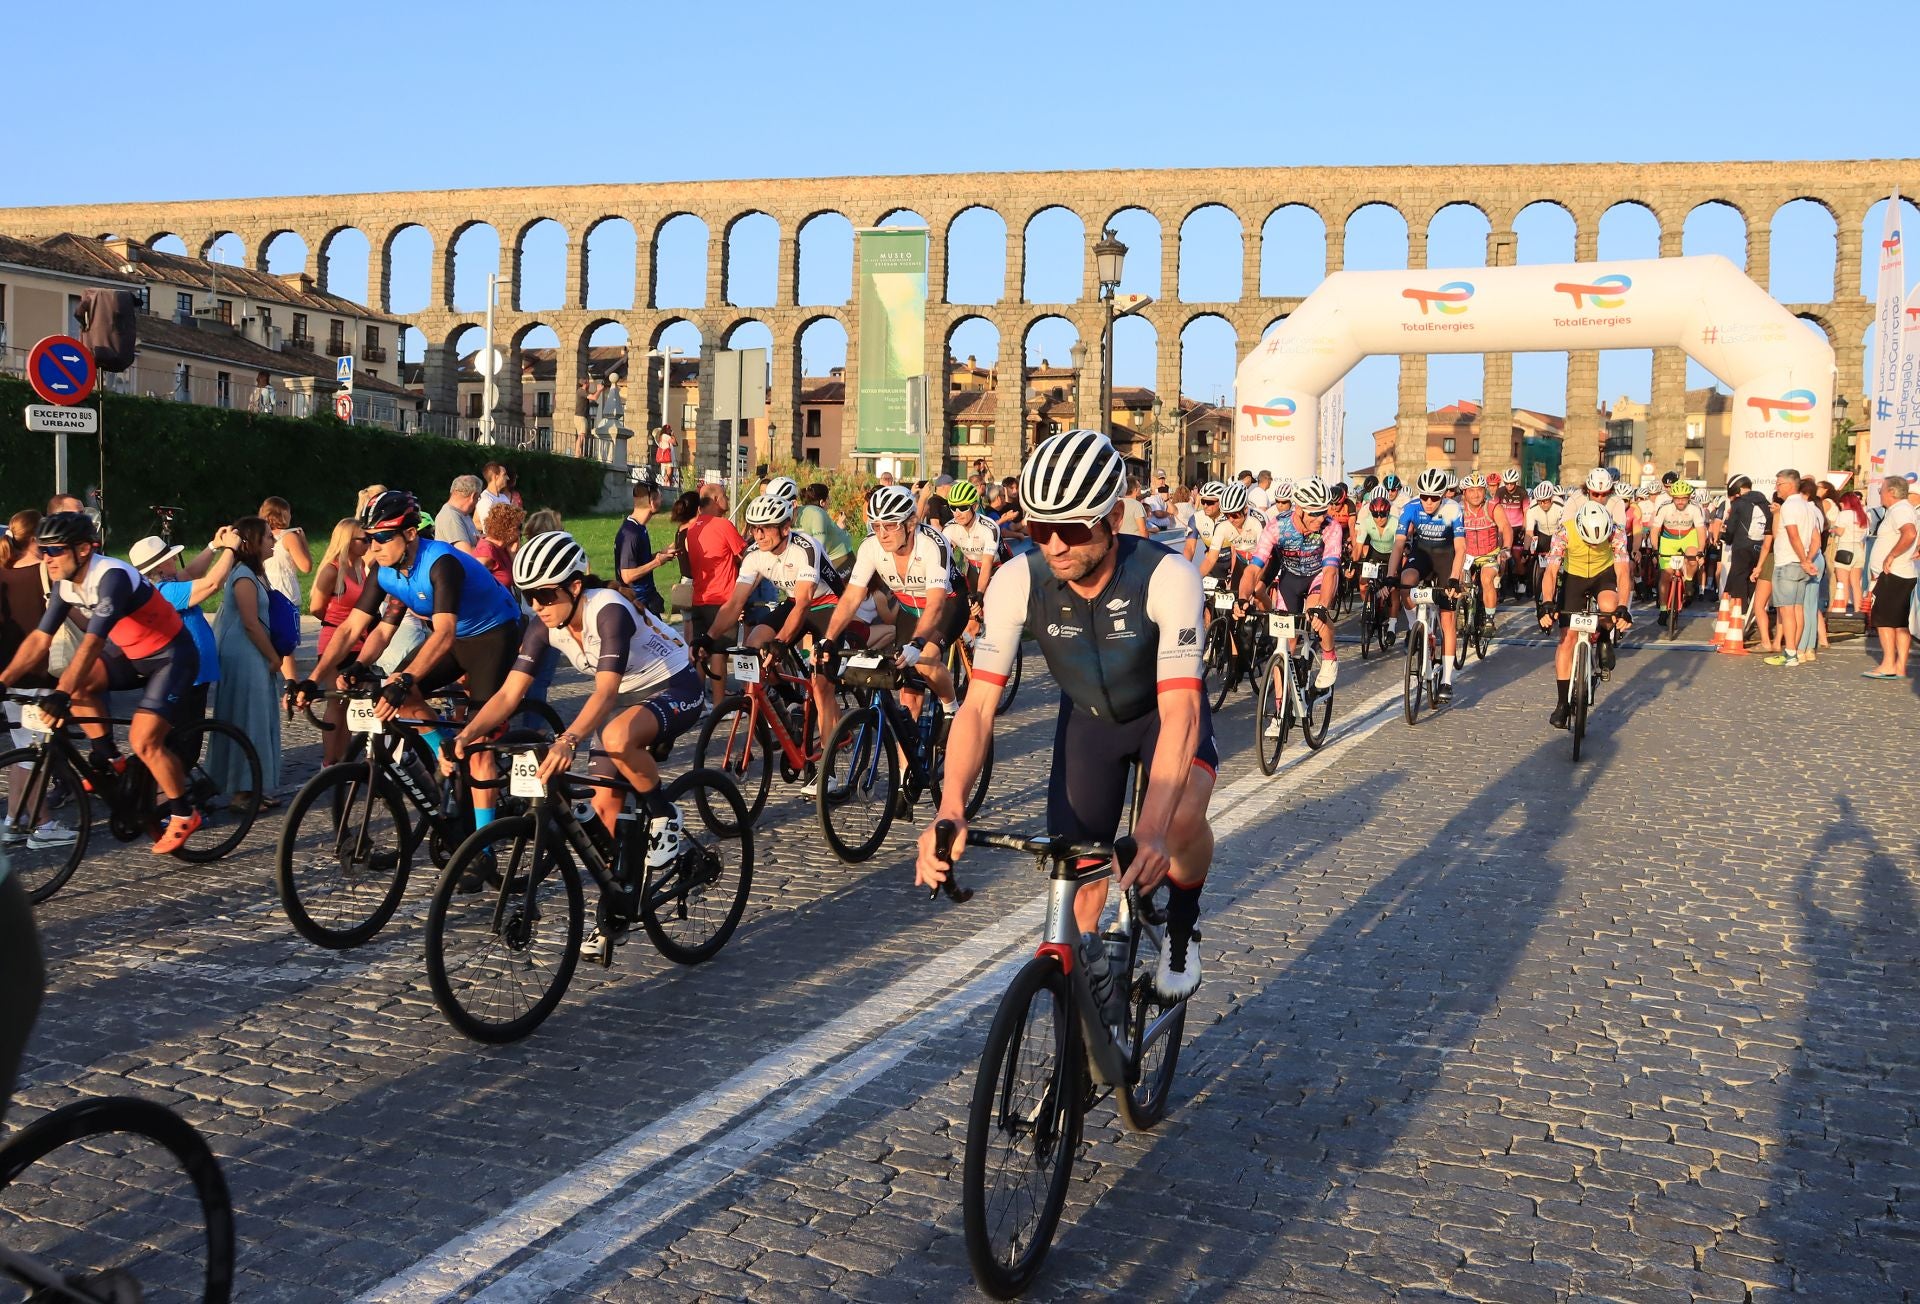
x,y
1176,984
663,840
1324,677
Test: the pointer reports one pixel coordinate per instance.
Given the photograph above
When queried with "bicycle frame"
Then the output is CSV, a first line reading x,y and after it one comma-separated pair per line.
x,y
760,707
123,797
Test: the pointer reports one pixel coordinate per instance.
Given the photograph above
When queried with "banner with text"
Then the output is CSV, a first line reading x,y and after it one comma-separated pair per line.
x,y
1333,432
893,337
1893,416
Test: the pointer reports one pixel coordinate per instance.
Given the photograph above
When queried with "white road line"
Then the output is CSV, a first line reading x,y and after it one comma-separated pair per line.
x,y
873,1037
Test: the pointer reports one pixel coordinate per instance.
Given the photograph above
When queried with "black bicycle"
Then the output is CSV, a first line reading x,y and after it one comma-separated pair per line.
x,y
50,788
114,1200
1289,695
1376,604
500,960
862,789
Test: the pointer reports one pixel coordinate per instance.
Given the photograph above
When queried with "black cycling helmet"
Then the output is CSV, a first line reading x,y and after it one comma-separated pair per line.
x,y
1369,484
1669,477
1739,485
65,529
392,509
1340,491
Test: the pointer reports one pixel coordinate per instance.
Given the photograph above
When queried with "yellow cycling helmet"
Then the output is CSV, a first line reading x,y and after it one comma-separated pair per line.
x,y
1680,489
962,494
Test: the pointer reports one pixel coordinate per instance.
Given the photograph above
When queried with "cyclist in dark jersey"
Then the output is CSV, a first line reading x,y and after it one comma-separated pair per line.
x,y
133,639
1118,619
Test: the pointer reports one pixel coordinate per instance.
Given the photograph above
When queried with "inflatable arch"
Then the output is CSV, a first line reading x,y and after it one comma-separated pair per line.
x,y
1782,373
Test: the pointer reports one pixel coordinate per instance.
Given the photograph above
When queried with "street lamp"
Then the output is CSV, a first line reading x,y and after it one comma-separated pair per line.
x,y
1109,257
1840,427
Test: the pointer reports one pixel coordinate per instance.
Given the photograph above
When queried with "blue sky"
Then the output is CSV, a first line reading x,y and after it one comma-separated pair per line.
x,y
228,99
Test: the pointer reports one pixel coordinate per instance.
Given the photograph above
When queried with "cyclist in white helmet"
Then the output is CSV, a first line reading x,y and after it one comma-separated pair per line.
x,y
1589,558
1118,619
1430,546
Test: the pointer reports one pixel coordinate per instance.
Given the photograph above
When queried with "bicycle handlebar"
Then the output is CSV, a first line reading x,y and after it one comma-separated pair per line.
x,y
516,740
1121,851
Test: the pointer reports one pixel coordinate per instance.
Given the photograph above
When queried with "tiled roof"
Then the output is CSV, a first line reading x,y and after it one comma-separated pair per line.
x,y
171,337
155,266
25,253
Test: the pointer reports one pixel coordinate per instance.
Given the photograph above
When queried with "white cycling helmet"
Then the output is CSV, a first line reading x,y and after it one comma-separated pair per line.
x,y
782,486
1433,482
1594,524
548,559
1379,494
1474,480
1283,491
1311,493
1076,475
1599,482
890,503
1213,489
1233,499
1510,476
769,509
1543,491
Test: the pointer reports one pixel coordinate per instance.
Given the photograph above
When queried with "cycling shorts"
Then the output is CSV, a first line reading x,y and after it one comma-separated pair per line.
x,y
1475,564
1087,792
167,676
1572,594
1290,592
484,659
1688,542
854,635
953,619
1432,568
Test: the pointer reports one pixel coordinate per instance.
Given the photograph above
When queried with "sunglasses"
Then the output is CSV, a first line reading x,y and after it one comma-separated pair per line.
x,y
1429,498
549,596
1074,534
54,550
1320,515
384,536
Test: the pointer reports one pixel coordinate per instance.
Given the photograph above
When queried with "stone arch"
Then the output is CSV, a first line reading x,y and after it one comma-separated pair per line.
x,y
900,217
820,343
1629,228
609,261
1212,254
406,260
455,385
540,266
1375,237
976,256
1457,235
1136,353
472,254
824,256
967,333
1545,231
167,242
283,253
750,266
345,256
673,323
1803,246
1818,321
1047,337
1293,251
678,253
224,246
1871,233
1716,226
1053,244
1145,269
532,371
1209,351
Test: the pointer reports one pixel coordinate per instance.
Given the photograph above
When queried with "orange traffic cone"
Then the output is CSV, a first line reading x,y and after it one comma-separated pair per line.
x,y
1720,623
1736,644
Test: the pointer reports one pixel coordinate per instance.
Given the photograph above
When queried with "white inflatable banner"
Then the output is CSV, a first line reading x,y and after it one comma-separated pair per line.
x,y
1782,372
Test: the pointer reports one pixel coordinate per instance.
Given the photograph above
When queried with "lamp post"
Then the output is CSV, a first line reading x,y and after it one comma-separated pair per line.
x,y
490,360
1109,257
1841,427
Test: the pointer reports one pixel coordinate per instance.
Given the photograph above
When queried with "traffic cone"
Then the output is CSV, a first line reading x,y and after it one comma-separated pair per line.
x,y
1720,623
1736,644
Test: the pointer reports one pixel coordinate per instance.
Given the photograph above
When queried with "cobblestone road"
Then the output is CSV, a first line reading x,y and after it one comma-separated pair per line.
x,y
1478,1023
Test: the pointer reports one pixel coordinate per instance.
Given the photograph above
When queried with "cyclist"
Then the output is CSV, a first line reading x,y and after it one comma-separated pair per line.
x,y
1209,533
1118,619
1373,542
1590,549
913,563
1598,488
1512,500
1488,540
1242,536
1397,496
975,539
645,688
1430,539
1679,527
1298,556
133,638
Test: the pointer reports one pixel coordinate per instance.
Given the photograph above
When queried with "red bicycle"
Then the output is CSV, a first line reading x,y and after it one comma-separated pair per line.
x,y
753,726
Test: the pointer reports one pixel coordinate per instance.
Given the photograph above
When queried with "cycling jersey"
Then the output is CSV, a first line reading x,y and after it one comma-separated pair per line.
x,y
1112,654
1675,522
1246,535
1583,560
1293,551
1215,534
978,543
614,636
1515,511
800,560
120,606
926,571
1430,530
1615,505
1481,528
1377,538
1542,521
443,580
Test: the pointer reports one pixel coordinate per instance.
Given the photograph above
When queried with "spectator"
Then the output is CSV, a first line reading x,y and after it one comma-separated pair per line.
x,y
663,456
262,399
1849,554
496,488
366,496
1182,508
502,538
634,560
337,582
453,523
1892,577
1820,494
289,560
814,519
1133,512
1748,530
23,597
1260,493
1797,567
1012,521
248,694
544,521
1159,510
184,588
714,548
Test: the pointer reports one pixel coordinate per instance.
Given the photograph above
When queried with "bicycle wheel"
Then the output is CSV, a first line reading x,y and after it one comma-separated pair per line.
x,y
1023,1128
1577,691
57,807
1369,627
130,1205
1154,1029
859,781
736,742
500,959
538,714
1271,715
1482,631
1319,715
1412,687
342,860
692,908
222,828
1217,660
977,796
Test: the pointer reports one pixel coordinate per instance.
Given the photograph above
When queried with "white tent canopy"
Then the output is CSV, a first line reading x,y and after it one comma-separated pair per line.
x,y
1782,373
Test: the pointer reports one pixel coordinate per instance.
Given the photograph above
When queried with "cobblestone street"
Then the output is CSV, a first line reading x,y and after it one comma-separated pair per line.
x,y
1478,1022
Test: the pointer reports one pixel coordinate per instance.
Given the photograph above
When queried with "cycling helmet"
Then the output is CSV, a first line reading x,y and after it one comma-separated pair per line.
x,y
1739,485
426,526
1311,494
1510,476
1234,499
1283,491
1213,489
771,509
65,529
1433,482
1543,491
1474,480
890,504
782,486
962,495
1339,491
1391,483
1076,475
548,559
1681,489
1594,524
1669,477
1599,482
1377,495
392,509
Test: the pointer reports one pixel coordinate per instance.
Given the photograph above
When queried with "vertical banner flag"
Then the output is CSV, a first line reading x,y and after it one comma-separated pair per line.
x,y
1333,431
1889,322
893,336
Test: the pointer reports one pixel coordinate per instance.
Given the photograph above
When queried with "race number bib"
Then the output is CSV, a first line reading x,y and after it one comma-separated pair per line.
x,y
1280,625
1676,561
1584,622
1421,597
745,667
362,719
523,779
1210,582
1369,570
864,661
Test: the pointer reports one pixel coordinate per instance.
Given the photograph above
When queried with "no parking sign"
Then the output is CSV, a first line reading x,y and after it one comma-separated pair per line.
x,y
61,370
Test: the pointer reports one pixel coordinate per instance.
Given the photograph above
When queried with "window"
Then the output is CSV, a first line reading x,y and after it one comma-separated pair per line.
x,y
813,457
372,374
336,337
73,314
473,404
223,390
3,316
300,326
225,311
542,404
1446,446
266,319
183,305
1476,446
373,338
813,423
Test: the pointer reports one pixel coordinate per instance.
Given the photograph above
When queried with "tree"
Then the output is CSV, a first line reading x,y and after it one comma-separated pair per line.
x,y
1840,450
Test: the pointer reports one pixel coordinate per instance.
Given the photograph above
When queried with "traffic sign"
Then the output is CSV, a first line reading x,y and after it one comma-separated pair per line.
x,y
49,419
61,370
343,371
343,406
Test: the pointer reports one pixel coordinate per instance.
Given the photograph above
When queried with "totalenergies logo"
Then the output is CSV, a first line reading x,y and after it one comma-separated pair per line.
x,y
1603,292
1450,298
1791,407
1891,243
1274,413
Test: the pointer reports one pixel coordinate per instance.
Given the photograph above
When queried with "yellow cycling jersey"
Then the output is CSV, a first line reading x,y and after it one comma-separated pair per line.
x,y
1575,556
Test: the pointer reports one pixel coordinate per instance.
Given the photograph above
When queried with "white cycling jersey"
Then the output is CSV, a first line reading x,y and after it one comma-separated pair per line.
x,y
924,573
977,542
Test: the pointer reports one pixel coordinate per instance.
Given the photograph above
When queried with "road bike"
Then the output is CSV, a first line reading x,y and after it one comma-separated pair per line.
x,y
1584,685
1289,694
1673,592
862,788
164,1229
499,960
1080,1018
1422,677
1237,646
1376,609
50,782
752,728
960,666
1474,621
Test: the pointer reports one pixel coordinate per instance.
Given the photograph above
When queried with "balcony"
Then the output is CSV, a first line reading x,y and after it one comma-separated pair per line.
x,y
304,343
373,353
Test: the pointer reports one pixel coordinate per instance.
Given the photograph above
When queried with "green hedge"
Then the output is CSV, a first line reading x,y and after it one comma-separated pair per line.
x,y
218,464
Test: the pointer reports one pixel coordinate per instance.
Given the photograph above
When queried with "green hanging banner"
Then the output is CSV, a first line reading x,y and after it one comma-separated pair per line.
x,y
893,337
